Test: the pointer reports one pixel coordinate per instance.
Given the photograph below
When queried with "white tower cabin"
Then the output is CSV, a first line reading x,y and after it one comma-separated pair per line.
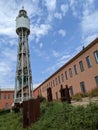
x,y
23,80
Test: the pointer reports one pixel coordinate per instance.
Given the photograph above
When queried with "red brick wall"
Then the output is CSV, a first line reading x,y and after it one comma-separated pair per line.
x,y
87,76
6,97
37,92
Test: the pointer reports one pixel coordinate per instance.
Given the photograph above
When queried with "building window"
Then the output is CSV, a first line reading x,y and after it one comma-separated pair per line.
x,y
71,90
5,96
70,72
62,77
49,84
43,89
53,83
96,55
56,81
40,91
75,69
66,75
8,96
56,94
0,96
59,79
82,85
88,60
81,66
96,79
6,106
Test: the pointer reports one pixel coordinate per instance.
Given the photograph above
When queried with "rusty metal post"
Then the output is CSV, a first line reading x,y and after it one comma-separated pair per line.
x,y
31,112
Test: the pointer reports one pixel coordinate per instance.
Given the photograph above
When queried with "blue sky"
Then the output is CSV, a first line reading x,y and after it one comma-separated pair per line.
x,y
59,30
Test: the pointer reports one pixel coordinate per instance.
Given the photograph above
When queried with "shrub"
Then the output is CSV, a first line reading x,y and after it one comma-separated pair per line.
x,y
85,94
56,116
93,93
4,111
62,116
41,98
77,97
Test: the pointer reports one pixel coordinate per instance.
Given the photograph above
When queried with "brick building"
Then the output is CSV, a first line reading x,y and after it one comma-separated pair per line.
x,y
80,74
6,98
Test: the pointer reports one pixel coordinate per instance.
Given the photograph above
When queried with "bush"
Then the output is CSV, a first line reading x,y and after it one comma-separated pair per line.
x,y
62,116
11,121
93,93
84,94
4,111
41,98
56,116
77,97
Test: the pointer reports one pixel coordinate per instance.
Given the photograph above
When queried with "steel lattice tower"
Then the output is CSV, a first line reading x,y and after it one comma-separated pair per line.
x,y
23,80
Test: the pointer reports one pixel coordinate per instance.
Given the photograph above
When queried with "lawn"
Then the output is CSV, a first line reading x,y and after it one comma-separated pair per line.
x,y
56,116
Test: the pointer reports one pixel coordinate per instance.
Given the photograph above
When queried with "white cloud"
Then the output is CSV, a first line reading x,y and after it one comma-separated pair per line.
x,y
41,45
50,70
62,59
86,40
4,68
40,30
89,23
40,53
89,27
7,66
7,71
55,53
62,32
64,8
88,7
73,4
7,40
9,11
86,12
9,54
51,7
58,15
81,8
89,39
36,85
50,4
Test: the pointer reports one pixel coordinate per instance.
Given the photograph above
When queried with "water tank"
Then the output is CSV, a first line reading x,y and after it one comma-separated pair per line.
x,y
22,22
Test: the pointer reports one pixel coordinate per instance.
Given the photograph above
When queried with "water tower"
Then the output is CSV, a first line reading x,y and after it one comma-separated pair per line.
x,y
23,79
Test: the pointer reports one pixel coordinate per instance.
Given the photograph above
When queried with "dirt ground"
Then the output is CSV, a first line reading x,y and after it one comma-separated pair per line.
x,y
85,101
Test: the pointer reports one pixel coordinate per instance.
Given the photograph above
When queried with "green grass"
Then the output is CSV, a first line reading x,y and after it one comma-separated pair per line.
x,y
11,121
79,96
93,93
59,116
56,116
